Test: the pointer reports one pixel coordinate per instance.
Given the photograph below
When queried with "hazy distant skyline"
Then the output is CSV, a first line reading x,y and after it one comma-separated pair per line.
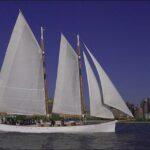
x,y
117,33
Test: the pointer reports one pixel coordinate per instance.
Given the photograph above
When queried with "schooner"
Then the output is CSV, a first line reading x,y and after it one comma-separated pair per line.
x,y
23,84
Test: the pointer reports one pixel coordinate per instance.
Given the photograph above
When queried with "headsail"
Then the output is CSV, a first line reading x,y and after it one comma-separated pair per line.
x,y
110,94
97,109
22,89
67,92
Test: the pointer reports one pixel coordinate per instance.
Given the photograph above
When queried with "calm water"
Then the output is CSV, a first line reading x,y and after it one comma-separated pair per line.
x,y
128,136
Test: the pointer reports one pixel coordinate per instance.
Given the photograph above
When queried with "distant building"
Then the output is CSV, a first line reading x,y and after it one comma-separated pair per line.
x,y
145,104
138,112
148,104
144,107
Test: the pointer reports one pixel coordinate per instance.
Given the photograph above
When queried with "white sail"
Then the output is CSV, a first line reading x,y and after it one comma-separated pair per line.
x,y
111,96
22,88
97,108
67,92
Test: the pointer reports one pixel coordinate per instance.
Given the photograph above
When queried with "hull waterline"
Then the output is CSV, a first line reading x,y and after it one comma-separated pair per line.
x,y
94,128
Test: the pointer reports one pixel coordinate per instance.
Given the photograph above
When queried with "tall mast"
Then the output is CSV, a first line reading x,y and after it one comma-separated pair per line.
x,y
44,70
80,75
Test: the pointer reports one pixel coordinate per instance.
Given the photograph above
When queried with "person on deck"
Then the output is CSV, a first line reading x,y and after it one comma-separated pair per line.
x,y
62,122
84,118
52,123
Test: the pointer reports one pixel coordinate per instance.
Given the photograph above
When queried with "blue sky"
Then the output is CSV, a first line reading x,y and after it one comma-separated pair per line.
x,y
117,33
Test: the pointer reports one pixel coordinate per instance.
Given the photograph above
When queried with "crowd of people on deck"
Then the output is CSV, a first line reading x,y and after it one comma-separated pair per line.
x,y
40,122
14,121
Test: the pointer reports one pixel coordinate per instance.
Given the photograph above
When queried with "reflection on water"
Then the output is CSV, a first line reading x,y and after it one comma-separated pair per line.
x,y
128,136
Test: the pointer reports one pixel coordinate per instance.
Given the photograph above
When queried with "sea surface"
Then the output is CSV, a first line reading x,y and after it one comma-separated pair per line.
x,y
129,136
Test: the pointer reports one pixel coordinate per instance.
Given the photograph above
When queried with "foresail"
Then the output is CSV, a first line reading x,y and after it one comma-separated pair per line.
x,y
22,89
97,108
67,92
111,96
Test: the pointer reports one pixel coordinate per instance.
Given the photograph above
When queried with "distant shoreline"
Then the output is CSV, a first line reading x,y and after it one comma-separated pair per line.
x,y
133,121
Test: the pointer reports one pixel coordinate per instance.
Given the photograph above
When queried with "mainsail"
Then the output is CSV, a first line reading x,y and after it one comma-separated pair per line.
x,y
22,88
97,108
67,92
111,96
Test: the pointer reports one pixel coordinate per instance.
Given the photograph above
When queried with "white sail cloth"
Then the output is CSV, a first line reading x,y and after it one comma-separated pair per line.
x,y
67,92
111,96
22,88
97,108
